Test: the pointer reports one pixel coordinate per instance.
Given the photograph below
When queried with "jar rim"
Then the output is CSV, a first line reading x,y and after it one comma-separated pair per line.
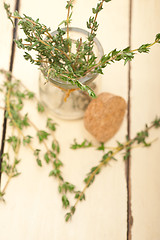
x,y
89,77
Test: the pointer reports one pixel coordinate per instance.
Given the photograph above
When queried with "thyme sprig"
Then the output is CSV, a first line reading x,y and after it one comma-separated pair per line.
x,y
54,54
92,24
16,95
139,139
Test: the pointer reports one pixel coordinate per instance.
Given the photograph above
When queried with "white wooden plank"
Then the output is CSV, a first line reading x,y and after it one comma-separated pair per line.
x,y
5,51
145,106
6,36
33,210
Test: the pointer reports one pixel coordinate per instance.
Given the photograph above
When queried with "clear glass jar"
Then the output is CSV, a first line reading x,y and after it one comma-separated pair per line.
x,y
52,95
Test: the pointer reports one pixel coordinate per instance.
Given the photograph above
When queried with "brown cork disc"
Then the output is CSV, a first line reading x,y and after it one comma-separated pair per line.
x,y
104,116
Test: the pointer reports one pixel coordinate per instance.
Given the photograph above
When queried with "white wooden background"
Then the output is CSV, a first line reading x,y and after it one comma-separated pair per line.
x,y
33,208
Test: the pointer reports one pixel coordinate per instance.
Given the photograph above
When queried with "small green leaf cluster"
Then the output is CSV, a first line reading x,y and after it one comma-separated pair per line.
x,y
141,137
144,48
99,6
37,155
27,139
9,14
56,163
97,169
16,104
1,196
40,107
69,4
64,188
101,147
156,122
84,144
14,141
79,196
157,39
42,135
9,168
51,125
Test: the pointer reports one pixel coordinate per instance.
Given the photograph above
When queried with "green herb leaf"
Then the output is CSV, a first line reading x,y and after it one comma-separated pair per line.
x,y
26,139
39,162
65,201
101,147
84,144
42,135
46,157
51,125
54,172
40,107
68,216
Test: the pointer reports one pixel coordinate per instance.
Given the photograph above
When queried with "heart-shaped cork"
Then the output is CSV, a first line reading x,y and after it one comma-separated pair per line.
x,y
104,116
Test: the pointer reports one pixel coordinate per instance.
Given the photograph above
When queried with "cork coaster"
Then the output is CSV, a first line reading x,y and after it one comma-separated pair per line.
x,y
104,116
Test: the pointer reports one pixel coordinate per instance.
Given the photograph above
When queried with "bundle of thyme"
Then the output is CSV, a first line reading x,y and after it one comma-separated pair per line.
x,y
54,53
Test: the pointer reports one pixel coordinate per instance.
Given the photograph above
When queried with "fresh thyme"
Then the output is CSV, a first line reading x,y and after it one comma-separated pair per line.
x,y
16,95
139,139
54,55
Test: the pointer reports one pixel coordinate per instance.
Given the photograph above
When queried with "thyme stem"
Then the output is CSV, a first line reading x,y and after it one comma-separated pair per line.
x,y
139,138
115,56
11,175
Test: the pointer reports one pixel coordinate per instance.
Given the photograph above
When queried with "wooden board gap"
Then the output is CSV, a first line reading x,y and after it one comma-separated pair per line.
x,y
14,34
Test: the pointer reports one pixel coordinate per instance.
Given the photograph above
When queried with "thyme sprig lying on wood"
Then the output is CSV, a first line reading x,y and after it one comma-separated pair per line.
x,y
16,95
54,55
139,139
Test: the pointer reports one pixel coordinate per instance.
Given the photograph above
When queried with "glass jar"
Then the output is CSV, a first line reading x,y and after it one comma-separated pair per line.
x,y
53,93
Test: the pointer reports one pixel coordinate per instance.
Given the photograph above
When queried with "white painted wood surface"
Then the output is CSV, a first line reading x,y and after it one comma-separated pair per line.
x,y
33,208
145,105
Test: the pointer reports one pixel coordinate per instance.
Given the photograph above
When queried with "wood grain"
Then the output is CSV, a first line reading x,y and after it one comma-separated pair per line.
x,y
145,98
6,62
